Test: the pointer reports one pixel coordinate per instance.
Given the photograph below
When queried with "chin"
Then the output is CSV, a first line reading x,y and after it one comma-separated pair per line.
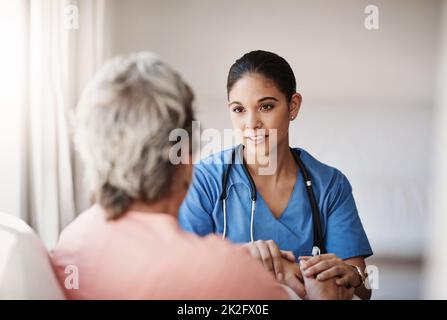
x,y
260,150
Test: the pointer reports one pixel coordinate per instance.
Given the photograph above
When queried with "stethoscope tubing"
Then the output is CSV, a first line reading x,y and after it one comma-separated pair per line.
x,y
318,240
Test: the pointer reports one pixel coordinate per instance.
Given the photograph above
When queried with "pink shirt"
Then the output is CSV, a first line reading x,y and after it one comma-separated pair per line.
x,y
147,256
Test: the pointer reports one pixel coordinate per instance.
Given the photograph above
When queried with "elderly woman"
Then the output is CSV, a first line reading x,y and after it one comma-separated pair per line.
x,y
129,245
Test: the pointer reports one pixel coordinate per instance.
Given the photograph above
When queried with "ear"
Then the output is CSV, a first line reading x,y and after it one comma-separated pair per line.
x,y
184,173
294,106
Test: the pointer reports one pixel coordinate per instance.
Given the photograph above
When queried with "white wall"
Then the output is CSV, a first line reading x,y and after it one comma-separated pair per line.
x,y
436,259
367,95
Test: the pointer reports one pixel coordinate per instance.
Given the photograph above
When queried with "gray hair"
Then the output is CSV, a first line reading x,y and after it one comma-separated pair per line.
x,y
124,118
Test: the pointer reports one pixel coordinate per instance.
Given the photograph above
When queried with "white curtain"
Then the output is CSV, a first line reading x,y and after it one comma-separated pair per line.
x,y
65,48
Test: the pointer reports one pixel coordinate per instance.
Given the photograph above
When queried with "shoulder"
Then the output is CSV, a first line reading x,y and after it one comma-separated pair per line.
x,y
322,174
75,238
215,162
210,169
91,218
76,234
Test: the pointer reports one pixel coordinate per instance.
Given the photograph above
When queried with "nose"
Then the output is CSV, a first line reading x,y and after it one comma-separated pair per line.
x,y
252,121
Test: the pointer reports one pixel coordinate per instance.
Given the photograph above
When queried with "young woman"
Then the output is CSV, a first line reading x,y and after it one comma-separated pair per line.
x,y
303,206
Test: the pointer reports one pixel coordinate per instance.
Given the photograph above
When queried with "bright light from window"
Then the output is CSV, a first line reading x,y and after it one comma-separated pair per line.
x,y
13,97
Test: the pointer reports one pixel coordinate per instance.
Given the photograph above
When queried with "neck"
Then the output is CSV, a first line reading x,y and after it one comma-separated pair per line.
x,y
285,167
167,205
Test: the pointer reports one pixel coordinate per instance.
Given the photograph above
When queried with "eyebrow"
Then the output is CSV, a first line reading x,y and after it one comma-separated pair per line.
x,y
260,100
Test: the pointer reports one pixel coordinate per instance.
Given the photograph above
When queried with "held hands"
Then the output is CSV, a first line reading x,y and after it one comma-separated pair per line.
x,y
321,277
280,263
293,278
326,290
271,257
309,288
329,266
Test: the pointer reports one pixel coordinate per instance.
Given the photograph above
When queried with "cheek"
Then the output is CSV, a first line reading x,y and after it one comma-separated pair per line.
x,y
279,121
238,127
236,121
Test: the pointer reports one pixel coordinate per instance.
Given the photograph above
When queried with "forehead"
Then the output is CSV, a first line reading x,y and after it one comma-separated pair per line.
x,y
252,87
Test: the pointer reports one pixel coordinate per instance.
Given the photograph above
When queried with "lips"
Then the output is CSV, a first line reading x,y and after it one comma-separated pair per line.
x,y
256,139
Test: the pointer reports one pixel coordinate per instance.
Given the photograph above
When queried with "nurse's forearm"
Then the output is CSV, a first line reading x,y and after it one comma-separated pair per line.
x,y
362,292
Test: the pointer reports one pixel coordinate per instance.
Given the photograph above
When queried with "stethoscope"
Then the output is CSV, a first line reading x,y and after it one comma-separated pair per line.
x,y
318,241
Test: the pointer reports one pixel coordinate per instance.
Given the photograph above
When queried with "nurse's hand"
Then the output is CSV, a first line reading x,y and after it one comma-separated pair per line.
x,y
328,266
271,257
326,290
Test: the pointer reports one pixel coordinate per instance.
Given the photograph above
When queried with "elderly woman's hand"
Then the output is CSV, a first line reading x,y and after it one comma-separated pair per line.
x,y
328,266
271,256
293,278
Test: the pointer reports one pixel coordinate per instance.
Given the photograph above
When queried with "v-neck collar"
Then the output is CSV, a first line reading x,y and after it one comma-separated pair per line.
x,y
289,201
245,179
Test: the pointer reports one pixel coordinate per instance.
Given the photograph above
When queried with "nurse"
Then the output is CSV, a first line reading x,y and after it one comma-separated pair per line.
x,y
262,103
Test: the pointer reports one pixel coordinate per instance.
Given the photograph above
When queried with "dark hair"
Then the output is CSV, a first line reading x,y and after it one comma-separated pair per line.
x,y
265,63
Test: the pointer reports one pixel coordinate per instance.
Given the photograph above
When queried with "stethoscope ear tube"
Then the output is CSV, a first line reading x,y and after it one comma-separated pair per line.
x,y
224,194
253,191
318,247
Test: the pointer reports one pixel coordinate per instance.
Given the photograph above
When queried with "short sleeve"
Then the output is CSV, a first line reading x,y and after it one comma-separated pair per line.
x,y
345,235
195,213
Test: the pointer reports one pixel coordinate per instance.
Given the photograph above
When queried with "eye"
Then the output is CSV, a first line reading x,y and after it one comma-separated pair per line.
x,y
266,107
238,109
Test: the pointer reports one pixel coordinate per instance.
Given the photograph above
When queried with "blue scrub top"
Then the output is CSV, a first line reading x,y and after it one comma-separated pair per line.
x,y
201,212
